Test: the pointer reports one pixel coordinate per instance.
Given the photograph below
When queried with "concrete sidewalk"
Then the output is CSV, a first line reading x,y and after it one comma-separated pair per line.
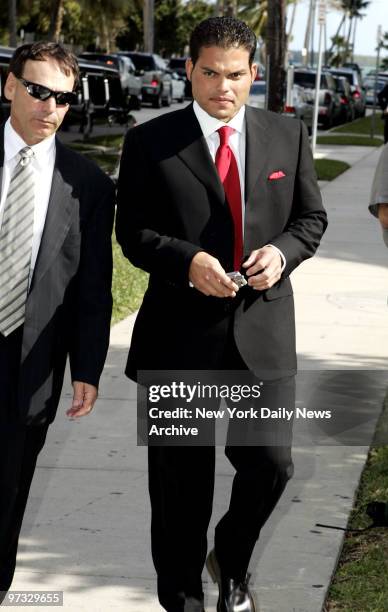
x,y
86,530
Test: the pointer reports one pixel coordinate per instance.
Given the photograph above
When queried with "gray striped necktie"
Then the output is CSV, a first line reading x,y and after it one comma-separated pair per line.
x,y
16,244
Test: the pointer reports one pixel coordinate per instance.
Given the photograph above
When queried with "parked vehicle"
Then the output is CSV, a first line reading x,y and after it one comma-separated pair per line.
x,y
130,83
100,98
178,65
369,84
5,57
178,87
257,94
358,91
346,99
156,79
329,101
301,107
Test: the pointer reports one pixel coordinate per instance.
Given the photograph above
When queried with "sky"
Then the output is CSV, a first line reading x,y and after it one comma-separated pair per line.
x,y
366,35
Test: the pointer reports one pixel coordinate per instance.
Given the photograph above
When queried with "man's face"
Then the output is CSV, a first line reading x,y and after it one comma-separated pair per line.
x,y
34,120
221,80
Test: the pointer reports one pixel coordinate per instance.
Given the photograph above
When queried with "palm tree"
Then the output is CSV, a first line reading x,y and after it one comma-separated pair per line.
x,y
276,47
57,9
12,22
351,10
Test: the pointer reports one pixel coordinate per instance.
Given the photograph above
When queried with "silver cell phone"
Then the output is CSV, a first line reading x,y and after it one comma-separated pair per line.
x,y
237,278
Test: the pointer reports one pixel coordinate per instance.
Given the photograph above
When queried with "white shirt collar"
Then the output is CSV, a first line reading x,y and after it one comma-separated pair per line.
x,y
210,124
13,143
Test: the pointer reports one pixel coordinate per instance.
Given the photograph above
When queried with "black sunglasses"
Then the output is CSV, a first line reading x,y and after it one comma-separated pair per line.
x,y
40,92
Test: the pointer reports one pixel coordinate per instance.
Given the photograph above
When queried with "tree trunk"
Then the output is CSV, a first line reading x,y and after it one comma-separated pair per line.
x,y
336,34
276,46
307,34
56,20
12,23
148,23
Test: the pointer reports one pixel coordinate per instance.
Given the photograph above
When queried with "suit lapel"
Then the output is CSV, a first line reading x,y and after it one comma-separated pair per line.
x,y
194,152
58,218
257,135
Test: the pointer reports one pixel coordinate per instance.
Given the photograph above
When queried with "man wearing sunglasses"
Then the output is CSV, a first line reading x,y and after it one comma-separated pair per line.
x,y
56,216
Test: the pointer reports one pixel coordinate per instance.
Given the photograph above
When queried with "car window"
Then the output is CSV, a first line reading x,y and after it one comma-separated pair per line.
x,y
258,88
176,62
349,75
143,62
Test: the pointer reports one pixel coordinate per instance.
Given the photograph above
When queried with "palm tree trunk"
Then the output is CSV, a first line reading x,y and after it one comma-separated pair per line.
x,y
56,20
308,33
276,35
336,34
354,37
12,23
289,35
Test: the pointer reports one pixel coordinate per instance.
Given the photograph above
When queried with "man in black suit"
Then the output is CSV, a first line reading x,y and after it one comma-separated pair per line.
x,y
56,217
179,219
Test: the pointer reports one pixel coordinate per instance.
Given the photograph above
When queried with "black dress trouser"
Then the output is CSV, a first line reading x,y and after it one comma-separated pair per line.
x,y
19,449
181,485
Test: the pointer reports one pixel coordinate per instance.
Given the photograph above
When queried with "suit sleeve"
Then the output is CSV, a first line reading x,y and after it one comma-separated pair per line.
x,y
142,224
93,307
308,220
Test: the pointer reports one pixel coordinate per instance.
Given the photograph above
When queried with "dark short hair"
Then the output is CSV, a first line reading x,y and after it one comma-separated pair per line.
x,y
223,32
40,51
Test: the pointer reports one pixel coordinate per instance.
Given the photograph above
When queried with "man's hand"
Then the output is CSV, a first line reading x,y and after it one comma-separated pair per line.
x,y
84,396
383,215
208,276
264,268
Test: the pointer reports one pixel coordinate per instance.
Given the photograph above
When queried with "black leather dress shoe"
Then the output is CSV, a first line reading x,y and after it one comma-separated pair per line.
x,y
234,596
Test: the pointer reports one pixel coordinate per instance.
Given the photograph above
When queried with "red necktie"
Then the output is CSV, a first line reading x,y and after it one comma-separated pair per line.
x,y
227,169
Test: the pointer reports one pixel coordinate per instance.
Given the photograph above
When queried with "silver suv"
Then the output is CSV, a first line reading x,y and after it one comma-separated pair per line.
x,y
156,80
356,86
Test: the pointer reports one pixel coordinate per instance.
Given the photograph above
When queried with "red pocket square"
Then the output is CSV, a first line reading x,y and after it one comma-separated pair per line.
x,y
276,175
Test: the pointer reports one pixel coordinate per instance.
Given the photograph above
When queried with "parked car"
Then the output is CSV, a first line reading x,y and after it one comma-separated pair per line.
x,y
329,101
178,87
257,94
343,88
100,98
156,79
369,84
178,65
130,83
358,91
301,106
5,57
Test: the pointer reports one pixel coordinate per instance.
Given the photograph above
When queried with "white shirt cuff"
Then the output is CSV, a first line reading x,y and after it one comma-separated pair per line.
x,y
281,255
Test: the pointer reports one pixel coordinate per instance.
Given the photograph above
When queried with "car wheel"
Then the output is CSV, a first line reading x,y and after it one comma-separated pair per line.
x,y
180,100
157,102
167,101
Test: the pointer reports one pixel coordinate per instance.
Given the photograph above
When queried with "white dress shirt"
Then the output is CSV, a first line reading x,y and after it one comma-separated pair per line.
x,y
43,166
237,142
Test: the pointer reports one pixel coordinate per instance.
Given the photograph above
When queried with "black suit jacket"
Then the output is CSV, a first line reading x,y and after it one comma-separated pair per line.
x,y
69,303
171,205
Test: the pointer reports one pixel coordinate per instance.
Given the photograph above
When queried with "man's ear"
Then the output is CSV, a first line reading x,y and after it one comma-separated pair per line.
x,y
9,87
253,71
189,68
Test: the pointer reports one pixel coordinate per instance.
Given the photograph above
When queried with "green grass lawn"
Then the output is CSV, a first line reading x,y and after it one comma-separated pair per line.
x,y
360,583
358,141
329,169
363,126
128,285
109,140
